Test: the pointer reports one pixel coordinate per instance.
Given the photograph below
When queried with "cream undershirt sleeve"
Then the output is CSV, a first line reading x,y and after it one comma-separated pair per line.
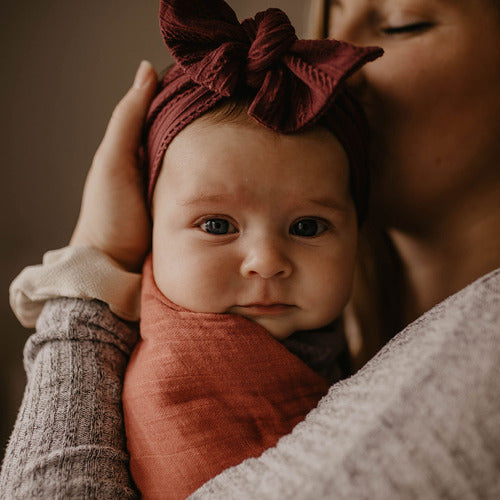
x,y
75,272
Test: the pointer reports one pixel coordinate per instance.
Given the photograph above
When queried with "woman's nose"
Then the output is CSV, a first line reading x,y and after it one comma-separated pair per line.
x,y
266,258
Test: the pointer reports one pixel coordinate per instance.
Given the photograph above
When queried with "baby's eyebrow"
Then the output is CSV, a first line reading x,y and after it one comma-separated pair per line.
x,y
323,202
330,203
205,198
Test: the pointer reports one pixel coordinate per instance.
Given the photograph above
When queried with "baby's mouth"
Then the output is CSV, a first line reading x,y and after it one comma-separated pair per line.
x,y
264,309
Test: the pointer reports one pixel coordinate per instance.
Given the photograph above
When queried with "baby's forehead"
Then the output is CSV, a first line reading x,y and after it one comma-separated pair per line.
x,y
231,131
235,159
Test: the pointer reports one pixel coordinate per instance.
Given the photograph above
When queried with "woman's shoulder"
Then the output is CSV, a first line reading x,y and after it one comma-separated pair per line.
x,y
471,311
460,333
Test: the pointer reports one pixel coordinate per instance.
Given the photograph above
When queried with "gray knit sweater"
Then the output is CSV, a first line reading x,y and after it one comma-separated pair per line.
x,y
421,420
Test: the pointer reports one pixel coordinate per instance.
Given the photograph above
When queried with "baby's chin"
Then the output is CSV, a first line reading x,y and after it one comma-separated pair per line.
x,y
279,330
278,327
281,323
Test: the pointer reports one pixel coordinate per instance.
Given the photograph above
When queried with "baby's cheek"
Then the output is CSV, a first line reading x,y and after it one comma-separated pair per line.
x,y
195,281
334,285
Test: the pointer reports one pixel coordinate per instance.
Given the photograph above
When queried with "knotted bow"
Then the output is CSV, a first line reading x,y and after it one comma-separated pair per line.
x,y
291,83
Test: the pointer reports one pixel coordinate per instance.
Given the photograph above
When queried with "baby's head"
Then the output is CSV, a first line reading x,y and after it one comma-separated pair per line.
x,y
256,198
254,222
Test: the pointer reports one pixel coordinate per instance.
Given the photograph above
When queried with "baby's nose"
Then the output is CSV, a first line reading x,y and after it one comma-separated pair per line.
x,y
266,258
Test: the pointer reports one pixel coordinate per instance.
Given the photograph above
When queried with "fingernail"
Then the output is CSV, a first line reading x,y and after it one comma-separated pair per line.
x,y
141,77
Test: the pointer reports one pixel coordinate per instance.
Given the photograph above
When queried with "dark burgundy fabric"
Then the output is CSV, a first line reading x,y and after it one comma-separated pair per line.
x,y
290,83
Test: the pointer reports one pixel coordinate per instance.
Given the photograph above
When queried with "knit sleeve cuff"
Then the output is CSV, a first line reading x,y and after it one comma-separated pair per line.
x,y
75,272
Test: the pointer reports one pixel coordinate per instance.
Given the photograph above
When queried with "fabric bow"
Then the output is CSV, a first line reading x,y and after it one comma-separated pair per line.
x,y
289,83
295,81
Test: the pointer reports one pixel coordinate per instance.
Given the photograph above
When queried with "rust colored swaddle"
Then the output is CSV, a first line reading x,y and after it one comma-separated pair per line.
x,y
203,392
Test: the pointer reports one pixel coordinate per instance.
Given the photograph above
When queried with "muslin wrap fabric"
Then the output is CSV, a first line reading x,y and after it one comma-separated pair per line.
x,y
203,392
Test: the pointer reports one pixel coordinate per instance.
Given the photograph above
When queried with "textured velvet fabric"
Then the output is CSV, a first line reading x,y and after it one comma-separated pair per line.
x,y
203,392
288,83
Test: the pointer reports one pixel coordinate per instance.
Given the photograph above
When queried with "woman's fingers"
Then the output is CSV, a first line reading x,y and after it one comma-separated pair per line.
x,y
113,215
123,134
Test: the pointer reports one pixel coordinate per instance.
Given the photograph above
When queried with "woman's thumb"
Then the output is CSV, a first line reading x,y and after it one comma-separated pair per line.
x,y
123,134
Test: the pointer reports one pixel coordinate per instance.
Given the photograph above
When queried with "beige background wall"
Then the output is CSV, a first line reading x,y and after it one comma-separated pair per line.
x,y
64,65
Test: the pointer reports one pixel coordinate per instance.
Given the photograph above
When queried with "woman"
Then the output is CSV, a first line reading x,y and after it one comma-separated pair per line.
x,y
422,419
435,150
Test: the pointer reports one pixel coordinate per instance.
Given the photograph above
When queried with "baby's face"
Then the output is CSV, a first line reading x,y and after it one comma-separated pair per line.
x,y
255,223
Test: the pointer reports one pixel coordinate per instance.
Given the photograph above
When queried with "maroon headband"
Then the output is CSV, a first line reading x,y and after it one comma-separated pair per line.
x,y
290,83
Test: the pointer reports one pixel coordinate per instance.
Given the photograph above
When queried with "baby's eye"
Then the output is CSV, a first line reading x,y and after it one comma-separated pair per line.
x,y
407,28
308,228
218,226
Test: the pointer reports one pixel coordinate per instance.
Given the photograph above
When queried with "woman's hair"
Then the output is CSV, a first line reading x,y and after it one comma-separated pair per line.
x,y
317,25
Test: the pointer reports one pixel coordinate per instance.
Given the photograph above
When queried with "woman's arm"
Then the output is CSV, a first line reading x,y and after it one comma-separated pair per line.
x,y
69,440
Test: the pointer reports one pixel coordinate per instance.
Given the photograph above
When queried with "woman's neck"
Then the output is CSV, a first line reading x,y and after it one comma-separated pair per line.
x,y
443,258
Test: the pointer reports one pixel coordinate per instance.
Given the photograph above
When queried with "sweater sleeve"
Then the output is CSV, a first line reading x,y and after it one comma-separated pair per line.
x,y
69,439
75,272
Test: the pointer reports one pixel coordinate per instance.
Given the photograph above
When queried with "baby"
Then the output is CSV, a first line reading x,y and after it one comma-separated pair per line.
x,y
257,183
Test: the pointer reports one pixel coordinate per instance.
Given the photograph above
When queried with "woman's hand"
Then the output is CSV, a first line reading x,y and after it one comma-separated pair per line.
x,y
113,216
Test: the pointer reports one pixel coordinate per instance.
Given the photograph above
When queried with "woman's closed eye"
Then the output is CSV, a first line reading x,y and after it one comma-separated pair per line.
x,y
308,227
218,226
408,28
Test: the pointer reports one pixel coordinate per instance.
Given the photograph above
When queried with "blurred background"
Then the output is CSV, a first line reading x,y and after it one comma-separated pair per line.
x,y
65,64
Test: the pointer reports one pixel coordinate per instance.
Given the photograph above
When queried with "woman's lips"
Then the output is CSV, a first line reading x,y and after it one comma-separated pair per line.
x,y
264,309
